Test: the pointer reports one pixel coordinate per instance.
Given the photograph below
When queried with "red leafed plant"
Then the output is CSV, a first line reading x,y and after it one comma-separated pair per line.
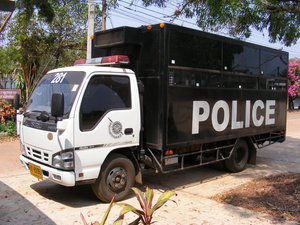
x,y
145,199
7,113
145,214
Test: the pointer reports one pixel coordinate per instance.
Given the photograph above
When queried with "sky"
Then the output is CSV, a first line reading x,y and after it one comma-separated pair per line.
x,y
136,15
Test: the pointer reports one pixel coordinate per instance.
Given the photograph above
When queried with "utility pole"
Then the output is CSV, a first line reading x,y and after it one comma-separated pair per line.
x,y
90,32
104,14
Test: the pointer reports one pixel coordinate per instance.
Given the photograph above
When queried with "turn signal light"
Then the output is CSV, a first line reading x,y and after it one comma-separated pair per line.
x,y
169,152
161,25
149,27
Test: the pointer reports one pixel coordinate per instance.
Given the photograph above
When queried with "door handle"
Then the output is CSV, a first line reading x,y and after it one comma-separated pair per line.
x,y
128,131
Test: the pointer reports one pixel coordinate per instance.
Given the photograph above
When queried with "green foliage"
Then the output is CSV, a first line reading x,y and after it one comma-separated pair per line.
x,y
145,214
29,6
104,217
9,128
280,18
67,33
41,44
8,59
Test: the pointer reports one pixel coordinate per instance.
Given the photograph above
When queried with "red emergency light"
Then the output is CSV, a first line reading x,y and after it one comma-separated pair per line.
x,y
79,61
106,60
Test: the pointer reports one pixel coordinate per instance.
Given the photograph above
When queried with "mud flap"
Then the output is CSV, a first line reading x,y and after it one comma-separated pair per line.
x,y
252,153
138,178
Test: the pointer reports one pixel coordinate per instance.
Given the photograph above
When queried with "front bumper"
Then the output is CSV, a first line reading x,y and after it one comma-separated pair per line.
x,y
65,178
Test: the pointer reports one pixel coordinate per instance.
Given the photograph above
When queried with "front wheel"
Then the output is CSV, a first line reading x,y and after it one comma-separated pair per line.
x,y
116,178
239,157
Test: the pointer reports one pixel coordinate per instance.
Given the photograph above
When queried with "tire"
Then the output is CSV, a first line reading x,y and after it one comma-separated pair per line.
x,y
239,157
116,178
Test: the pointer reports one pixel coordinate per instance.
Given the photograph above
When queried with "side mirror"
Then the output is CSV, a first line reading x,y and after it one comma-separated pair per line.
x,y
17,101
57,104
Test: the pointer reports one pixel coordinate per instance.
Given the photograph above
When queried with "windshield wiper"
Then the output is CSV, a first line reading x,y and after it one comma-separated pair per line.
x,y
29,113
44,116
26,114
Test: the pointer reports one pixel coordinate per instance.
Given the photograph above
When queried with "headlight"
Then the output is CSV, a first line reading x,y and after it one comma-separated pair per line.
x,y
63,160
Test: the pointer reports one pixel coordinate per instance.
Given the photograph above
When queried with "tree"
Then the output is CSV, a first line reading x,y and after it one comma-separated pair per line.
x,y
43,45
66,34
9,63
44,8
281,18
27,7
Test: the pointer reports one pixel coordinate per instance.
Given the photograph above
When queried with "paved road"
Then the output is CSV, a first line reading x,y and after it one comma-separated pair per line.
x,y
24,200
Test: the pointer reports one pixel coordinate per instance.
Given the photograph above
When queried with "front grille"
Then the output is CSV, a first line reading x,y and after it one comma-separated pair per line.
x,y
37,154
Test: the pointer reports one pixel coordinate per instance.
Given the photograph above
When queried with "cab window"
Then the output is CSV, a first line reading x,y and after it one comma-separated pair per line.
x,y
104,93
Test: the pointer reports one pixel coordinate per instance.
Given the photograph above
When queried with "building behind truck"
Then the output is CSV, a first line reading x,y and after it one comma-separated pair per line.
x,y
178,99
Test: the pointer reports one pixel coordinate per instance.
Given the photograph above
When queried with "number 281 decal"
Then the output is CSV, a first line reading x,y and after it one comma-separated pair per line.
x,y
59,77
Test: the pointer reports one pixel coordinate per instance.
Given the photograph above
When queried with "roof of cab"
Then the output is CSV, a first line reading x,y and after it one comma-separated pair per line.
x,y
91,68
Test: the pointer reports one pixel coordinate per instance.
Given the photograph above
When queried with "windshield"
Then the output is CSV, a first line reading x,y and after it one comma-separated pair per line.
x,y
67,83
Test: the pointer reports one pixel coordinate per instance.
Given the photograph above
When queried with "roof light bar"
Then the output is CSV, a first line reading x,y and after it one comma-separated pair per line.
x,y
106,60
79,61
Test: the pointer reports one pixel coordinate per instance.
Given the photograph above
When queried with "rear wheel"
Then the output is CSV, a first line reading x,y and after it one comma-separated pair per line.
x,y
116,178
239,157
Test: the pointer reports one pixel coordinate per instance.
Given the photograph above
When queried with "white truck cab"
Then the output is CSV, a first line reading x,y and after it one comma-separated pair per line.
x,y
79,118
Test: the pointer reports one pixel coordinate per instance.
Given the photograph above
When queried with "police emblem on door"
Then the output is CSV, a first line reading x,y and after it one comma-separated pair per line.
x,y
115,129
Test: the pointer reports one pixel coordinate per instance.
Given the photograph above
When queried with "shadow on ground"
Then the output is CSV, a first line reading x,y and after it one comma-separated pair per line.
x,y
16,210
76,197
184,179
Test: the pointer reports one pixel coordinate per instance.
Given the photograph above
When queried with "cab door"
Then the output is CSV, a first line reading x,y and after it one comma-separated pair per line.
x,y
107,118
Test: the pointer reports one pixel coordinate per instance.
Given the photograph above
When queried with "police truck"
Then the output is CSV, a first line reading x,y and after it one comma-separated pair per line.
x,y
159,98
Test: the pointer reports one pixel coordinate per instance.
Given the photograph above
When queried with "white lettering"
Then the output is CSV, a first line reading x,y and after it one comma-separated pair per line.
x,y
197,117
234,123
270,111
257,122
59,77
255,115
214,115
247,114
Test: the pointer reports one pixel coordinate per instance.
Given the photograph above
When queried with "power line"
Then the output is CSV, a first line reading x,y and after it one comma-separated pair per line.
x,y
126,18
151,16
142,7
131,16
160,13
146,8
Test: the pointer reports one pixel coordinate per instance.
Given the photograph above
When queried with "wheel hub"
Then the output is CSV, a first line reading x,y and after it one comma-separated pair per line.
x,y
117,179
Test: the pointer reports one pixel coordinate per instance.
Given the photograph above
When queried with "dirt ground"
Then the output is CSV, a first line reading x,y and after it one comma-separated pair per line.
x,y
5,139
278,196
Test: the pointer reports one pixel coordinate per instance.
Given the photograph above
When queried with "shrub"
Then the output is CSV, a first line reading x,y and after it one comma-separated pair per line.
x,y
10,128
7,113
7,118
